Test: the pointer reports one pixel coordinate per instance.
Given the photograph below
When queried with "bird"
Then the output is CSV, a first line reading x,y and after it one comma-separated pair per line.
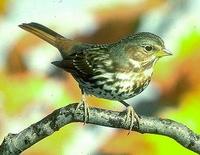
x,y
115,71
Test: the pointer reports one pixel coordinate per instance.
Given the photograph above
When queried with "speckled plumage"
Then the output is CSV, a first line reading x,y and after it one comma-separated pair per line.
x,y
100,73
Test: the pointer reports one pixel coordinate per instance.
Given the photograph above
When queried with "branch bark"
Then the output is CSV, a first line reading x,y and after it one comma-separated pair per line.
x,y
14,144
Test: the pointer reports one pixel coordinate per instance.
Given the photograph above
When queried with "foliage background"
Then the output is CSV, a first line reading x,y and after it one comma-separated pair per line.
x,y
31,88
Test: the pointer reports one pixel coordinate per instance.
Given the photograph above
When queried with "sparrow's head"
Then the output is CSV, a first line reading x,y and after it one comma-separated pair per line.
x,y
145,48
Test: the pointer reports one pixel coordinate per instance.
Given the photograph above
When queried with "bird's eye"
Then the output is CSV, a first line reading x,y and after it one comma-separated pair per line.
x,y
148,48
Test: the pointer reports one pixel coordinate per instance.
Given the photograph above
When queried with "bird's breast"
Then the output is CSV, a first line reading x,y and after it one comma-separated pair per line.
x,y
117,86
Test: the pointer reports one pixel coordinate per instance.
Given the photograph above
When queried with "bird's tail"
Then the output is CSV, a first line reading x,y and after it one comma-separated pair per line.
x,y
43,32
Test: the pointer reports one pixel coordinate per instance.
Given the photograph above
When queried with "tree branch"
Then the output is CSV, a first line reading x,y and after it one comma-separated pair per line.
x,y
14,144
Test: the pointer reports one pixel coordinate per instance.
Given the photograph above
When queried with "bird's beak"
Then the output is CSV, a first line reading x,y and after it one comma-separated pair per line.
x,y
163,52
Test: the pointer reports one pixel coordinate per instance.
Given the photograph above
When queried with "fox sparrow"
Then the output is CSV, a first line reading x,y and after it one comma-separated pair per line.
x,y
116,71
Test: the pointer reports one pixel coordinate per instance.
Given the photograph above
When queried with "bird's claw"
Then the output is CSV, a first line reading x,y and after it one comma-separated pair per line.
x,y
86,109
132,115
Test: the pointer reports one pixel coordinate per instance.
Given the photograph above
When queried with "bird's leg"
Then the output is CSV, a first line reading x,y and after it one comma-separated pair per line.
x,y
131,114
85,106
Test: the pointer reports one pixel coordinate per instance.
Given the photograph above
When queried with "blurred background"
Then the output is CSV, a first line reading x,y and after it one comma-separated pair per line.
x,y
31,87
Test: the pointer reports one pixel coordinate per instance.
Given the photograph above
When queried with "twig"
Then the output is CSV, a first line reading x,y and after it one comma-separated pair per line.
x,y
14,144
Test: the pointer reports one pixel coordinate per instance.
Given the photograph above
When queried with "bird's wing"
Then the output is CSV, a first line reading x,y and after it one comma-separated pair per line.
x,y
86,63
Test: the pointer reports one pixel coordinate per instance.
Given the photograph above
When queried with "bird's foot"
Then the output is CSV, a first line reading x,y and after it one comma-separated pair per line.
x,y
86,108
131,114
